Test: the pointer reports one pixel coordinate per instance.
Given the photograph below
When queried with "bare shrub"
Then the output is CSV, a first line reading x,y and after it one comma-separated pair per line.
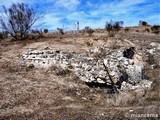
x,y
60,31
113,27
89,31
20,18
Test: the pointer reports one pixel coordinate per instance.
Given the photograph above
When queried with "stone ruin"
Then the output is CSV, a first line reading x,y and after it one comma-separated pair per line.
x,y
100,66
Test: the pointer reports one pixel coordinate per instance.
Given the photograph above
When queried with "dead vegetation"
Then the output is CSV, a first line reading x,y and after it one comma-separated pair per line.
x,y
30,93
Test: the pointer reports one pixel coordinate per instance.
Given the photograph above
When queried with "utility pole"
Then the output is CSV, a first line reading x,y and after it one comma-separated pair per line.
x,y
77,25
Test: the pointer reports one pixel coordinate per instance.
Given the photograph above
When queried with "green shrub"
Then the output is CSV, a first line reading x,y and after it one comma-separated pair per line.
x,y
45,31
143,23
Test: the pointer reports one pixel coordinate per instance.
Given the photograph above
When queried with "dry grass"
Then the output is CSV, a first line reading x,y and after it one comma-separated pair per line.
x,y
89,43
112,43
141,97
31,93
101,54
124,99
154,94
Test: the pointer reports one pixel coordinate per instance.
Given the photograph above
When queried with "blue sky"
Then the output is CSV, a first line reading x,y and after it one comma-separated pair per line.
x,y
92,13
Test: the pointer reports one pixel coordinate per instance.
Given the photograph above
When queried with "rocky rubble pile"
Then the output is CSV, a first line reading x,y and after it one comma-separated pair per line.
x,y
100,66
153,51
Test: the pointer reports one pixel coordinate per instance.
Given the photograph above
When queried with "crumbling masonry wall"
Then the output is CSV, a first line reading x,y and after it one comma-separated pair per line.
x,y
90,68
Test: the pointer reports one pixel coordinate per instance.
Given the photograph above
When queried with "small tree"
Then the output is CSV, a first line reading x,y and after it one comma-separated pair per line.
x,y
117,25
19,20
109,28
45,31
86,28
113,27
143,23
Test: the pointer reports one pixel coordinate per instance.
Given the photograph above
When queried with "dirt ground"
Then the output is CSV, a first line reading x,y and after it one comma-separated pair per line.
x,y
37,94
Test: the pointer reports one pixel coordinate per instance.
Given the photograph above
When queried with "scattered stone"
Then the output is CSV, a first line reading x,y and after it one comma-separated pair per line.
x,y
30,66
143,84
129,53
155,45
154,66
125,66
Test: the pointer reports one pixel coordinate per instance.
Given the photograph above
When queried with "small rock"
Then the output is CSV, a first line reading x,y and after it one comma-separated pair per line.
x,y
83,98
100,80
154,66
31,66
102,74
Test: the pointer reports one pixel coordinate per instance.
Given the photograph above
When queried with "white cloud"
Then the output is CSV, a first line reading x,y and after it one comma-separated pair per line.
x,y
89,13
126,10
8,3
68,4
75,16
51,22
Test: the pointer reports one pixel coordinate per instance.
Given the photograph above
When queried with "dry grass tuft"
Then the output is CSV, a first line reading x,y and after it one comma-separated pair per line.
x,y
154,93
101,54
112,43
89,43
126,98
63,72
